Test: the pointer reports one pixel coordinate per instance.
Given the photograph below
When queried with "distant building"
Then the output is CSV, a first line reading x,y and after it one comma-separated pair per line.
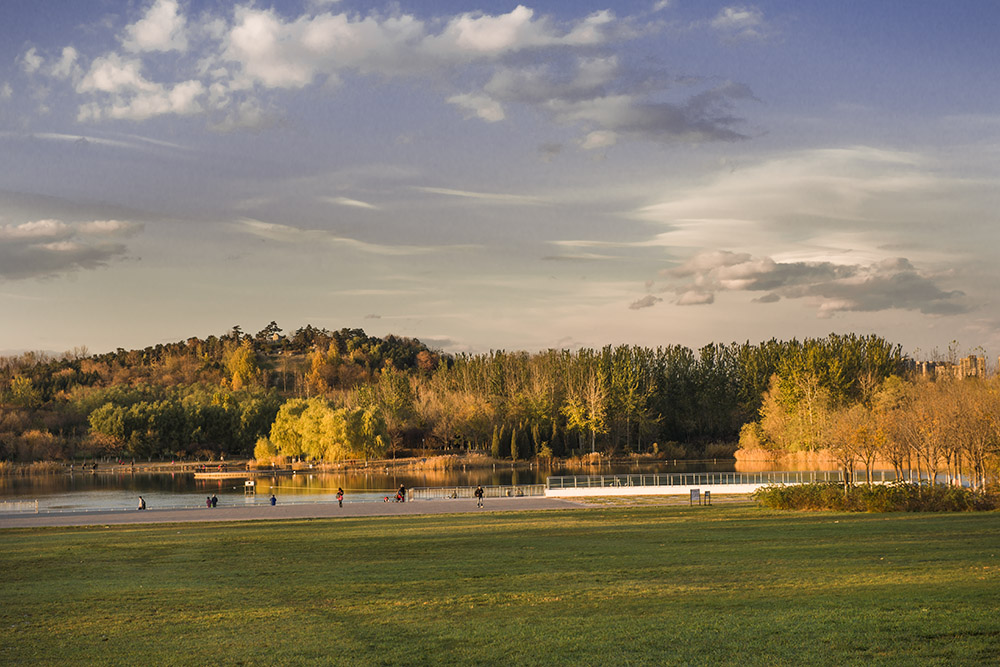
x,y
971,367
967,367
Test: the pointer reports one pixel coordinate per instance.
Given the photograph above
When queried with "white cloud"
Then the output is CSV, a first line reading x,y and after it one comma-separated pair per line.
x,y
124,93
494,34
31,62
517,30
114,74
273,52
66,67
109,227
161,29
598,139
568,71
35,230
479,105
741,22
695,297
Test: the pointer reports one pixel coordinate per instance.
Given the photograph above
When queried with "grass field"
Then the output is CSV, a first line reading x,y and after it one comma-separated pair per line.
x,y
601,586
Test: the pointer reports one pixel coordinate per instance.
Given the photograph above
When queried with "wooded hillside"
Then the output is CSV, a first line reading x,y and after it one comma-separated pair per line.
x,y
344,394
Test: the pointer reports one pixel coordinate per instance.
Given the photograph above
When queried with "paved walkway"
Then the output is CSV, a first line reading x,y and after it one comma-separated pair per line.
x,y
280,511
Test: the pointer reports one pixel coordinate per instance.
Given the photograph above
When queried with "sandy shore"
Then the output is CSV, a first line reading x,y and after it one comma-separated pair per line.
x,y
279,511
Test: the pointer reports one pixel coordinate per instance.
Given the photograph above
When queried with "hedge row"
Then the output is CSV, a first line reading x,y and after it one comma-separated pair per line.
x,y
897,497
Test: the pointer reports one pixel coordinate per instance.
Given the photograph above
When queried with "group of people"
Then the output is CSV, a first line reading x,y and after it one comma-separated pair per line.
x,y
213,500
400,496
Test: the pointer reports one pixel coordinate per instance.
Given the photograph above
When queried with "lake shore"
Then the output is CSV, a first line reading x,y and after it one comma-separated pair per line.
x,y
444,462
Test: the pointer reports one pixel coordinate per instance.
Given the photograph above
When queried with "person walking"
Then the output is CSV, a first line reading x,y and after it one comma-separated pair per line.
x,y
479,495
401,494
208,502
142,503
340,496
274,501
215,501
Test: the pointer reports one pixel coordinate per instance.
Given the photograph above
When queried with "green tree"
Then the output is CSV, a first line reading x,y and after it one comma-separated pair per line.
x,y
23,392
241,364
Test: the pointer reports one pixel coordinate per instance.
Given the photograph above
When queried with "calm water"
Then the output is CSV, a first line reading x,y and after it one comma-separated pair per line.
x,y
85,490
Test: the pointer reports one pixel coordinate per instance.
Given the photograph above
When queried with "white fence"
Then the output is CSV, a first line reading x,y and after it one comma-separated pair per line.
x,y
18,506
681,483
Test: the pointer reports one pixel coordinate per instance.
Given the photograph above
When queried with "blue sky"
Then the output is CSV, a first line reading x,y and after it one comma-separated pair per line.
x,y
495,175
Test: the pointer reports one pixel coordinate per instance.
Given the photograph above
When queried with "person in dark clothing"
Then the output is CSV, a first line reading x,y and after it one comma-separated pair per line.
x,y
401,494
208,502
274,501
215,501
142,503
340,496
479,496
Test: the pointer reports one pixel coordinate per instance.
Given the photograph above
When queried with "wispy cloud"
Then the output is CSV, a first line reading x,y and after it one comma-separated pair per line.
x,y
353,203
496,197
294,235
127,142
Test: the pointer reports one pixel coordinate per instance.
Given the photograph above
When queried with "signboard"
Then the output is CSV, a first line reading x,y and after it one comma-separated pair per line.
x,y
695,496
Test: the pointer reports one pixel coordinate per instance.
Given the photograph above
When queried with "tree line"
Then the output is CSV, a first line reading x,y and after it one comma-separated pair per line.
x,y
344,394
947,426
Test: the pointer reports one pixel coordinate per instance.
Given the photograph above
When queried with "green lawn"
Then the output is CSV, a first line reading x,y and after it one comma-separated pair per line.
x,y
619,585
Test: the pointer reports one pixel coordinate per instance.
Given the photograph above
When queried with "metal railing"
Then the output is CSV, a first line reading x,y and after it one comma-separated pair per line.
x,y
460,492
704,479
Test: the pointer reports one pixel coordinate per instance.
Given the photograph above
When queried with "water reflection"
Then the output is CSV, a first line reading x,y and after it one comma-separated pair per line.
x,y
122,489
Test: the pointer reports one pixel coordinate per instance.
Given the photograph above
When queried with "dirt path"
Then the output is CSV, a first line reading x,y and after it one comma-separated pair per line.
x,y
280,511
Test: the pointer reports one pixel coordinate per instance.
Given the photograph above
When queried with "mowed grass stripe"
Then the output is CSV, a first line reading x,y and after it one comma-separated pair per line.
x,y
646,585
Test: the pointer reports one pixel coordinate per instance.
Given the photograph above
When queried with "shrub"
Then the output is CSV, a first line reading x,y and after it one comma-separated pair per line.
x,y
897,497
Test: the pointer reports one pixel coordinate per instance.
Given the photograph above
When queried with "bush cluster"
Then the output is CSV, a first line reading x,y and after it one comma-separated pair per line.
x,y
897,497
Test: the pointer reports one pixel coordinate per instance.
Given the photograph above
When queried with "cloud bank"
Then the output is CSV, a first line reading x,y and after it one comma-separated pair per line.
x,y
833,288
46,248
230,68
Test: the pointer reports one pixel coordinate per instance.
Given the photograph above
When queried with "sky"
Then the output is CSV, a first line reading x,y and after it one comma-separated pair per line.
x,y
483,175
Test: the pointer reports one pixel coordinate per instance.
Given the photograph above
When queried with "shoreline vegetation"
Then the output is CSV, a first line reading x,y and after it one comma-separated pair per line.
x,y
438,462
